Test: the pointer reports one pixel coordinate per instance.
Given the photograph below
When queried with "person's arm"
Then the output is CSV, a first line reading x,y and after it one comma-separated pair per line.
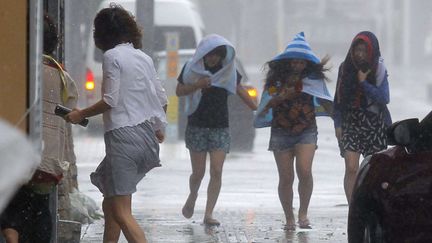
x,y
337,115
183,89
337,119
244,95
327,105
160,135
77,115
110,91
160,92
379,94
276,100
72,91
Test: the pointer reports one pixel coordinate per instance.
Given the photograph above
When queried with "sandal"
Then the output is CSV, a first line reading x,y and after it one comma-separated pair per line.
x,y
304,224
211,222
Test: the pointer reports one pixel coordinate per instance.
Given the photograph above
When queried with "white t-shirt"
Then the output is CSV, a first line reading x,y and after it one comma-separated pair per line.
x,y
132,89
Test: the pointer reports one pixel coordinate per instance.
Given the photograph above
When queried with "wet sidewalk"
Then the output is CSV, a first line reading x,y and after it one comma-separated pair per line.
x,y
248,207
163,226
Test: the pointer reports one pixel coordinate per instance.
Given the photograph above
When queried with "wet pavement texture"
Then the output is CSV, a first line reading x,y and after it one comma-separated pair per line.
x,y
248,207
237,226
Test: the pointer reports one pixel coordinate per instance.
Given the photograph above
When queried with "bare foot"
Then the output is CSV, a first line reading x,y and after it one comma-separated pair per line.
x,y
188,208
304,224
211,222
290,225
303,221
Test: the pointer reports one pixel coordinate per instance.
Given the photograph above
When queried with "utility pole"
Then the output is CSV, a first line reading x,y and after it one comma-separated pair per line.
x,y
145,18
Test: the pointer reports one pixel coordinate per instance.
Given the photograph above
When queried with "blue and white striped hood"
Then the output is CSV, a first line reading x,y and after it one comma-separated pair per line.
x,y
298,48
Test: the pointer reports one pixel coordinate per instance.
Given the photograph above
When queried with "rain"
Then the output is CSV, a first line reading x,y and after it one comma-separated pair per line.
x,y
248,206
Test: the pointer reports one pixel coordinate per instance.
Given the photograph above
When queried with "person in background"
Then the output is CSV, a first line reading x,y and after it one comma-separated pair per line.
x,y
27,217
207,80
295,83
360,105
133,104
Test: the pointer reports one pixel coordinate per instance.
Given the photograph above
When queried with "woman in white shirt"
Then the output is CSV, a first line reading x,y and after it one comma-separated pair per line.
x,y
133,105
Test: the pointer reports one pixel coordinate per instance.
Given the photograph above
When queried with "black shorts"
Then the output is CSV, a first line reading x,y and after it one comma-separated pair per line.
x,y
29,214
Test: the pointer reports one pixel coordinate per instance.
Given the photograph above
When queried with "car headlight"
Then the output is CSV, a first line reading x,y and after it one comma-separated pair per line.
x,y
252,92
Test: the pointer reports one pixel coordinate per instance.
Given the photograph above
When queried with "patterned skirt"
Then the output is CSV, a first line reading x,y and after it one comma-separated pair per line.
x,y
363,132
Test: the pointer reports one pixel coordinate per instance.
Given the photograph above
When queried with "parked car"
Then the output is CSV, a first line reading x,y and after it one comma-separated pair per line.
x,y
392,197
240,116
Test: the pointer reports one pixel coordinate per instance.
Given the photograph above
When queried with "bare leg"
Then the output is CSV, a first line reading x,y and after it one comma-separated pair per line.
x,y
10,235
351,168
217,159
122,214
285,161
111,229
304,159
198,162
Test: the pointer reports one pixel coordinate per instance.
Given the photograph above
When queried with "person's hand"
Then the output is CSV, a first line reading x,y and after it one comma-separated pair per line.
x,y
288,93
362,75
338,133
273,102
160,136
75,116
264,111
203,83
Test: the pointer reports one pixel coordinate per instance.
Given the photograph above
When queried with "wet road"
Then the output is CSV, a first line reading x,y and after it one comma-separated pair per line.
x,y
248,206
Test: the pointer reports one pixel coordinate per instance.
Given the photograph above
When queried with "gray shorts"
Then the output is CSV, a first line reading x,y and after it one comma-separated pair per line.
x,y
201,139
130,153
281,139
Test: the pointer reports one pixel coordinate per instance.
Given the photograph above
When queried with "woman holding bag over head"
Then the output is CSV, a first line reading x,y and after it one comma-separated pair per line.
x,y
206,80
295,83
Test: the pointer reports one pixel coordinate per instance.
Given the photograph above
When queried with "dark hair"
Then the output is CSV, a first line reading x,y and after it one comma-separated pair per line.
x,y
220,51
115,25
279,70
50,38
